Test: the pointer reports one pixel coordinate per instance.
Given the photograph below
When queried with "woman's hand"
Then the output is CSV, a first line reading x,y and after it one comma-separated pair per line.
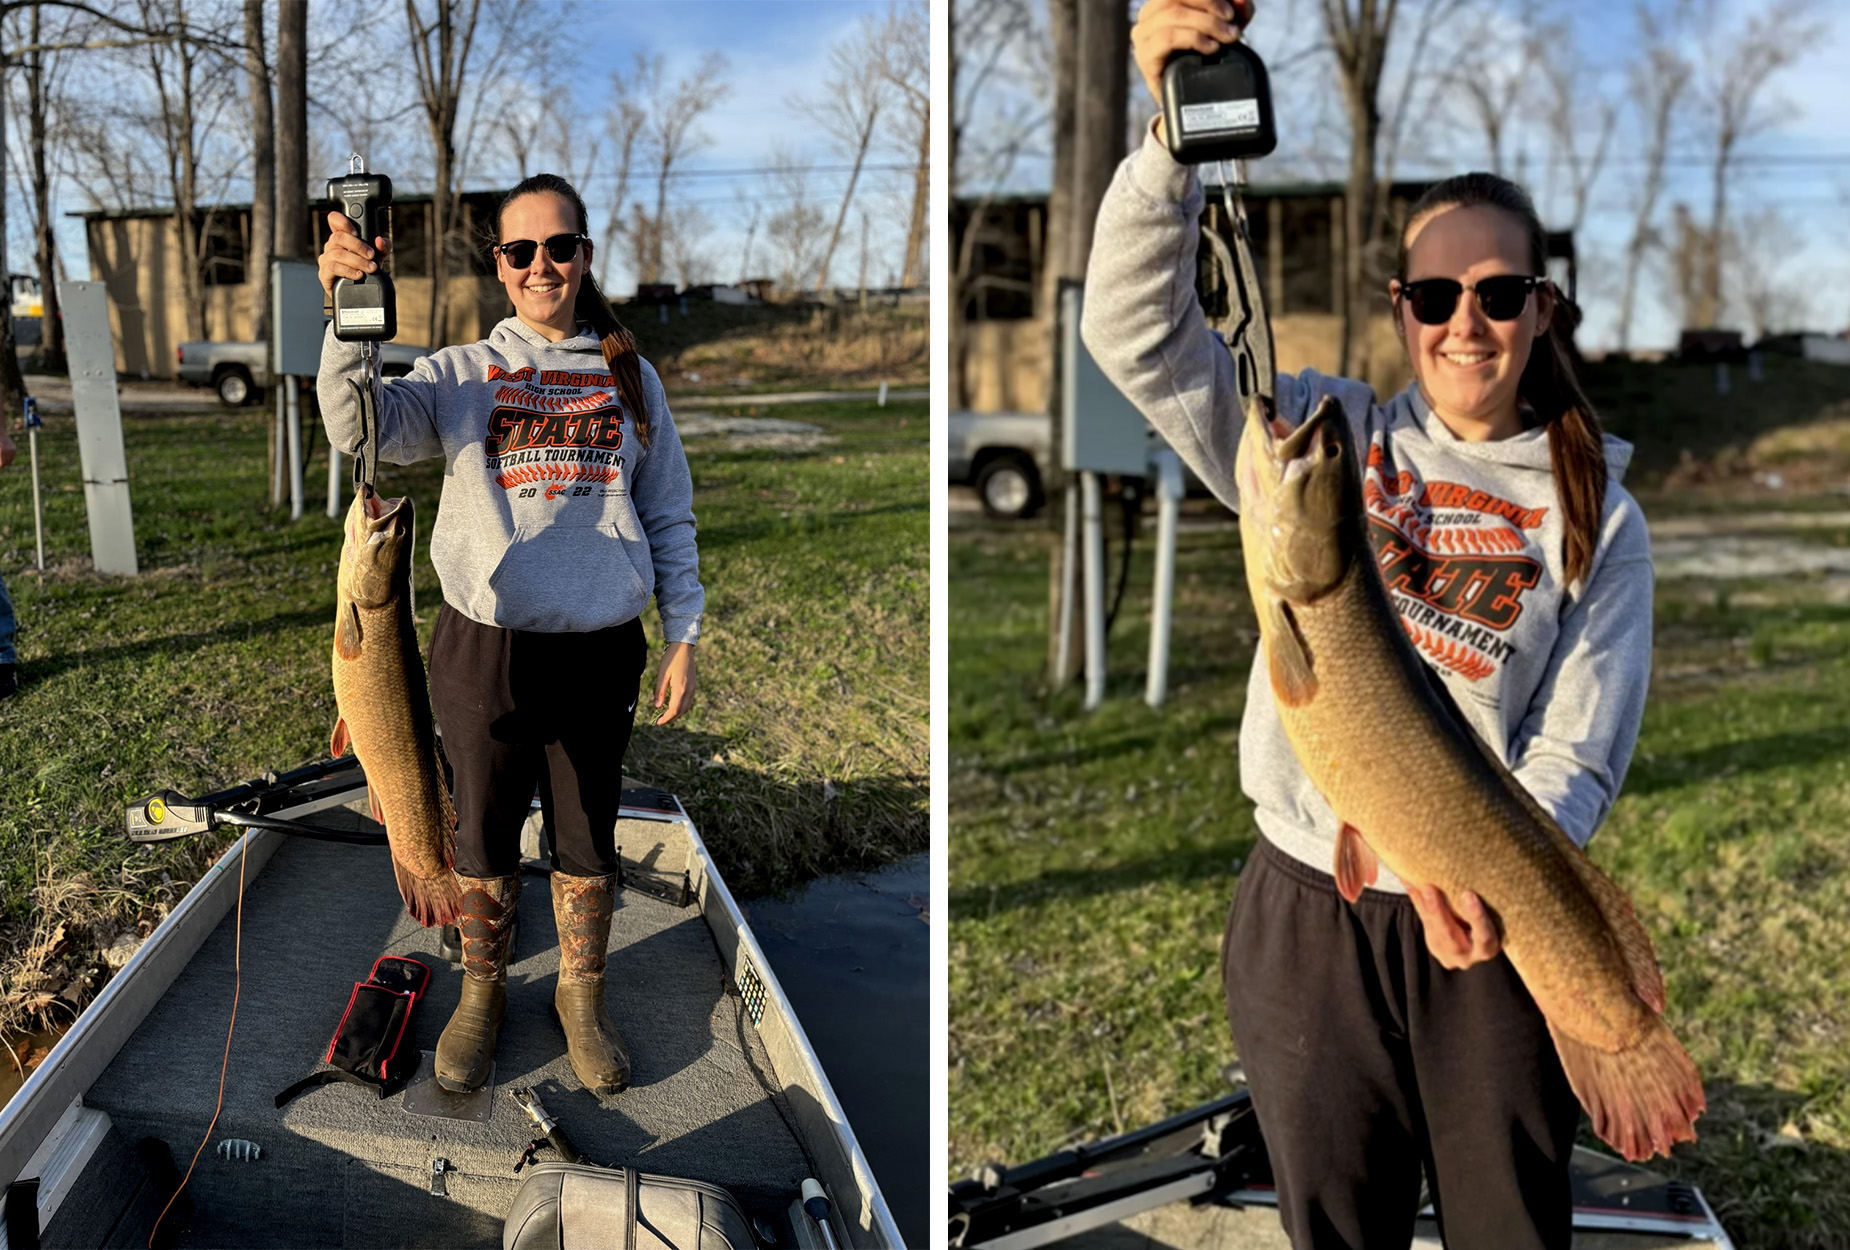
x,y
674,685
346,255
1457,939
1166,27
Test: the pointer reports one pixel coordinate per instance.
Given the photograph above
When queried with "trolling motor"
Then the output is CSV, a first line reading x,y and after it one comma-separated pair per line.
x,y
1218,107
366,310
167,815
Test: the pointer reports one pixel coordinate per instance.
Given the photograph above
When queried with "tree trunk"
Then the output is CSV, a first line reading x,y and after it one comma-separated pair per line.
x,y
292,225
51,325
921,199
1709,301
854,176
1358,231
263,172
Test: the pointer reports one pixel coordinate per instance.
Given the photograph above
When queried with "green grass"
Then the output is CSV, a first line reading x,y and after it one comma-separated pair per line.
x,y
806,750
1093,858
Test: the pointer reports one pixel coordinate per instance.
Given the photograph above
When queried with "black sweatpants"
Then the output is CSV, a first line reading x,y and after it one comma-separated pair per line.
x,y
1368,1059
519,709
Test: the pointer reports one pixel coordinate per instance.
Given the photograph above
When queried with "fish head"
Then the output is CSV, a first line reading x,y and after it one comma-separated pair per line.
x,y
375,559
1301,499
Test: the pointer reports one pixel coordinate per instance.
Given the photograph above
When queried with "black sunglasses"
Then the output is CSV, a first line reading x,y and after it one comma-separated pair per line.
x,y
561,247
1501,298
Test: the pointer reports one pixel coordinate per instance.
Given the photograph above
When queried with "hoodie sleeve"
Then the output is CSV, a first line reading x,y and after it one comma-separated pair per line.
x,y
407,408
1574,745
662,492
1143,323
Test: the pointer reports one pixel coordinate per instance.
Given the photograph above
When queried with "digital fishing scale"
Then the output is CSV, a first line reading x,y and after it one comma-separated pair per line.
x,y
1218,107
365,310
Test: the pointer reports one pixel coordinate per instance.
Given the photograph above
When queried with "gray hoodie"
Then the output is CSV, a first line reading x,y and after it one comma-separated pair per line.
x,y
1468,536
554,518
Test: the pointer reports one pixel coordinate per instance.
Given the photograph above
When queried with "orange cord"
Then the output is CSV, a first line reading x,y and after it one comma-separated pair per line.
x,y
237,983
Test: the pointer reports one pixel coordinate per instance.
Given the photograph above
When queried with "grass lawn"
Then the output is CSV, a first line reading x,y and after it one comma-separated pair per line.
x,y
1093,857
806,750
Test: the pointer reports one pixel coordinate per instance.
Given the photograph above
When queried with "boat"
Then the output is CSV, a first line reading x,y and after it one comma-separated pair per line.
x,y
1214,1154
726,1088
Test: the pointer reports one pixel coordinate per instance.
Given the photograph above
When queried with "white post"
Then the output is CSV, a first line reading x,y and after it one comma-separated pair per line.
x,y
1069,587
1091,505
1162,608
292,388
333,480
280,439
99,426
38,506
883,394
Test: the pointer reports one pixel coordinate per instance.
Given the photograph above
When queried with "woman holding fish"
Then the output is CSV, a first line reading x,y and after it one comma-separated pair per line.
x,y
566,504
1422,968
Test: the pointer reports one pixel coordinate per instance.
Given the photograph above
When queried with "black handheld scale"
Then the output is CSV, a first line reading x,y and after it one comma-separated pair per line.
x,y
367,310
1218,107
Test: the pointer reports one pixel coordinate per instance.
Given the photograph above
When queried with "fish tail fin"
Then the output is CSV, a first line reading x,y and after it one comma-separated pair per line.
x,y
1628,935
1643,1099
430,900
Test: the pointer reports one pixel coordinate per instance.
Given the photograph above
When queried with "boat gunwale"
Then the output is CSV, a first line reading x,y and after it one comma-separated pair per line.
x,y
99,1033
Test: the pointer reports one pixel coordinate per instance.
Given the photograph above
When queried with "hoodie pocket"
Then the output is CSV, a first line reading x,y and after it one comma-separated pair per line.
x,y
566,581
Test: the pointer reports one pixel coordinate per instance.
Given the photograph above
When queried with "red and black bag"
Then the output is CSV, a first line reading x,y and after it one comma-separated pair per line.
x,y
374,1044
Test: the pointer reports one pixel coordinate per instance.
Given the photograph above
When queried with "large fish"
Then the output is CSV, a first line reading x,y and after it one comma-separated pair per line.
x,y
384,705
1416,789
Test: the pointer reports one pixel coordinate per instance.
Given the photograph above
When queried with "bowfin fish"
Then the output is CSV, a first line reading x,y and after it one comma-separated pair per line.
x,y
384,703
1416,789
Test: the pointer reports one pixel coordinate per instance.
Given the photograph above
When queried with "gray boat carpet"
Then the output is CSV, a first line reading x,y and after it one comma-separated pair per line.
x,y
341,1167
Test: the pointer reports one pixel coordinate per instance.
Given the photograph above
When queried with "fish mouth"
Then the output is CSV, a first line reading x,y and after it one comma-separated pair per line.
x,y
1295,487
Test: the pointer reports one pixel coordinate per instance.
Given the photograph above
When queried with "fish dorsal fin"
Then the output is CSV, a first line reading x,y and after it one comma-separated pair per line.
x,y
347,632
337,745
1287,655
1356,864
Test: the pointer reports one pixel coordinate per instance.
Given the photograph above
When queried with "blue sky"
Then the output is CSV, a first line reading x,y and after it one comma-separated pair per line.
x,y
1802,166
777,49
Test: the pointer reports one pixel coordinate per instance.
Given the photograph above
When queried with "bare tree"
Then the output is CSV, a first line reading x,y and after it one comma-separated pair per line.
x,y
1572,94
793,233
1358,31
623,128
906,62
263,170
440,74
1759,255
1734,70
1655,85
1493,75
855,93
671,135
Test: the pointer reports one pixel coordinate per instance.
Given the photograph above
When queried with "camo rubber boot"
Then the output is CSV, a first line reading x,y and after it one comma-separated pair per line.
x,y
466,1051
581,907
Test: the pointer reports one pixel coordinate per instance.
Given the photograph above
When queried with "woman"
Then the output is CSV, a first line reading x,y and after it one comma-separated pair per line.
x,y
1392,1034
566,503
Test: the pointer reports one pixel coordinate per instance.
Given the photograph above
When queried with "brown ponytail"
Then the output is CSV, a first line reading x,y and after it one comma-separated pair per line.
x,y
592,308
1576,443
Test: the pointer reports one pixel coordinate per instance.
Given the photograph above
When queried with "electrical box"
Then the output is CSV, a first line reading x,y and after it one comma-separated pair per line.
x,y
1100,430
296,320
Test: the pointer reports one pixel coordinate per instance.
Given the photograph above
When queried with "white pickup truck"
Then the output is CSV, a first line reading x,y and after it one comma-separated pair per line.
x,y
240,372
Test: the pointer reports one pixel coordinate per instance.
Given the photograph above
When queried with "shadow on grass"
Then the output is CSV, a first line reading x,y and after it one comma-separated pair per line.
x,y
1655,773
58,663
1142,742
1769,1189
1201,860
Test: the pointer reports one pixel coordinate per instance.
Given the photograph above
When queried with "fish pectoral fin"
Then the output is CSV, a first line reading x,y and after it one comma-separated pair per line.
x,y
1287,655
347,632
338,744
1356,864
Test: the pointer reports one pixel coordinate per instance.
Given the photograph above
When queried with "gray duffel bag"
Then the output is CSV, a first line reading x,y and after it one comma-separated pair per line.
x,y
580,1206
